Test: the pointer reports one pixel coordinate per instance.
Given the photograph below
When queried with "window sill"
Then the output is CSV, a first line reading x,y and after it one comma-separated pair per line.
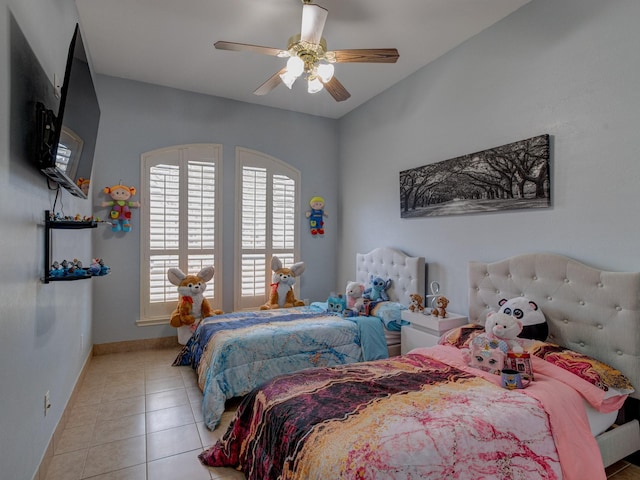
x,y
150,322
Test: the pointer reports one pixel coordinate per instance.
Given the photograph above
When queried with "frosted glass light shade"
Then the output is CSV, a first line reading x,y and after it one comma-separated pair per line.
x,y
325,71
315,85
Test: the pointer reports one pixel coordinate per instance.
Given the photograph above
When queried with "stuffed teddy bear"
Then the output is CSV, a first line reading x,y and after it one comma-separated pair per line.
x,y
534,323
192,304
354,293
500,326
282,281
440,309
378,289
416,303
120,205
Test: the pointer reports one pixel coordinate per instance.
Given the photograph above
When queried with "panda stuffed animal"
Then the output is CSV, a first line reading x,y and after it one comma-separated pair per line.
x,y
534,323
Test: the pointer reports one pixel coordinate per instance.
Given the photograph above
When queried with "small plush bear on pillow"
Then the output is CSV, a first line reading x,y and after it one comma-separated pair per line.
x,y
500,326
534,323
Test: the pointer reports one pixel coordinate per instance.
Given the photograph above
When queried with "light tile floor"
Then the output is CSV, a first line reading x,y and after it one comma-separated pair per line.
x,y
136,417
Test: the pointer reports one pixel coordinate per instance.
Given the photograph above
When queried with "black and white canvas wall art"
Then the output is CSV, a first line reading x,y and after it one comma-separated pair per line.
x,y
508,177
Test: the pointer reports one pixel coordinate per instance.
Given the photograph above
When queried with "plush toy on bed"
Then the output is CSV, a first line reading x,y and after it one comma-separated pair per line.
x,y
192,304
282,281
486,354
378,289
336,304
488,351
502,327
534,323
354,293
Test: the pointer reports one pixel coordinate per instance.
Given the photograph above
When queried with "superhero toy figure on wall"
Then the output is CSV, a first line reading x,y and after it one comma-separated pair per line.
x,y
120,204
316,216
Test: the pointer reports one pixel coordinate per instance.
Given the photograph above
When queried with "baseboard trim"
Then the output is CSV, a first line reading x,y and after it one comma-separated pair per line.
x,y
135,345
43,468
98,349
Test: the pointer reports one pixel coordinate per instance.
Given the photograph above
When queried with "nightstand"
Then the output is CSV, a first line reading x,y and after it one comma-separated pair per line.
x,y
426,330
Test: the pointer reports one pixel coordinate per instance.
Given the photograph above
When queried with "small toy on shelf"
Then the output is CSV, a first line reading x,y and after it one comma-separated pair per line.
x,y
440,309
416,303
120,206
316,216
56,270
84,183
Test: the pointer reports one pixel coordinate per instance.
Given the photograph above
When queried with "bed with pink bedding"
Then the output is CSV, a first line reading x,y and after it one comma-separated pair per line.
x,y
427,414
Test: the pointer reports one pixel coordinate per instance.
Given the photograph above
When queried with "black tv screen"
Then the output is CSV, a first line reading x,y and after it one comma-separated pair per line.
x,y
69,138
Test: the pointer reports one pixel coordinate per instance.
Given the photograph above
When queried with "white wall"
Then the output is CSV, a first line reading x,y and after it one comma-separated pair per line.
x,y
138,117
569,68
40,325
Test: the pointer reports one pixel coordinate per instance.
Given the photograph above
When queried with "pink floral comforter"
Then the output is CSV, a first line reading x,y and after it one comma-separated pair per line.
x,y
422,415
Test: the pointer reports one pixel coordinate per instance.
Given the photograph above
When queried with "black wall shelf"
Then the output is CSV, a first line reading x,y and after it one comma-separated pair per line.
x,y
49,225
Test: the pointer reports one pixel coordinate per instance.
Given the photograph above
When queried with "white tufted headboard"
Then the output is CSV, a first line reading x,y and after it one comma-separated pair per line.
x,y
588,310
408,273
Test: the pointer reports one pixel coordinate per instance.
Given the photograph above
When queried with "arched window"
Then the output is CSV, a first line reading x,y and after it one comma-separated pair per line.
x,y
180,227
267,223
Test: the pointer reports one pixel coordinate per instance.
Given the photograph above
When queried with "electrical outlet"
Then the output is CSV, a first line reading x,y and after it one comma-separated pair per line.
x,y
47,402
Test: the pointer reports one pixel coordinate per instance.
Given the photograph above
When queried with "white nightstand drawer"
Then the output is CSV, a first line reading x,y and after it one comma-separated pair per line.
x,y
430,322
426,330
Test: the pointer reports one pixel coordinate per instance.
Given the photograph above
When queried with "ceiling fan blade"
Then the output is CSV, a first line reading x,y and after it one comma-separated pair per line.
x,y
244,47
313,19
336,89
366,55
270,84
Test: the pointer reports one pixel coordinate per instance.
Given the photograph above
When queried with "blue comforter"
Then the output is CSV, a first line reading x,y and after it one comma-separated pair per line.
x,y
236,352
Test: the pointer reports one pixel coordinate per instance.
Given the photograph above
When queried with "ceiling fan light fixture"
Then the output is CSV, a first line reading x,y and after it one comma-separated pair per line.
x,y
288,79
325,71
314,85
295,66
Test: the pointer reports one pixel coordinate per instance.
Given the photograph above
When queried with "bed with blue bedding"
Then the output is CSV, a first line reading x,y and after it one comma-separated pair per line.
x,y
236,352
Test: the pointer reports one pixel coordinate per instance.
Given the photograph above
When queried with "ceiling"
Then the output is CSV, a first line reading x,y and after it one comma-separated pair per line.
x,y
170,43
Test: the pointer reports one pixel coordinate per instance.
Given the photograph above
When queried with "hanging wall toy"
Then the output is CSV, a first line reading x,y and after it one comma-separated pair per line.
x,y
316,216
120,204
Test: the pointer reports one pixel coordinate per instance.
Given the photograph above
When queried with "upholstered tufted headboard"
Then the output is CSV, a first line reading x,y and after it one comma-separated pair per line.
x,y
588,310
408,273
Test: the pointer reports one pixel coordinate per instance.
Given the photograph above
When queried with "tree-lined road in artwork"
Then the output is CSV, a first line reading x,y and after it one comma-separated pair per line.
x,y
511,176
458,206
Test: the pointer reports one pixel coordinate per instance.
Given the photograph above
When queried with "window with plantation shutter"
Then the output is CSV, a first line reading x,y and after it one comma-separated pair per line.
x,y
267,223
180,205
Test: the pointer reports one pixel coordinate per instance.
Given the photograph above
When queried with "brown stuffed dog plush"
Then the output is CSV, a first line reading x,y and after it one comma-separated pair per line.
x,y
440,309
282,280
192,304
416,303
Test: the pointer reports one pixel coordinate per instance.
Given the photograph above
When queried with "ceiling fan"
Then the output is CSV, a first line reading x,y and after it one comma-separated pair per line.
x,y
308,55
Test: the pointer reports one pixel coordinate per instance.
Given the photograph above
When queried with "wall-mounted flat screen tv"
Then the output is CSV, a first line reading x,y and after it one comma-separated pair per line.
x,y
68,138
